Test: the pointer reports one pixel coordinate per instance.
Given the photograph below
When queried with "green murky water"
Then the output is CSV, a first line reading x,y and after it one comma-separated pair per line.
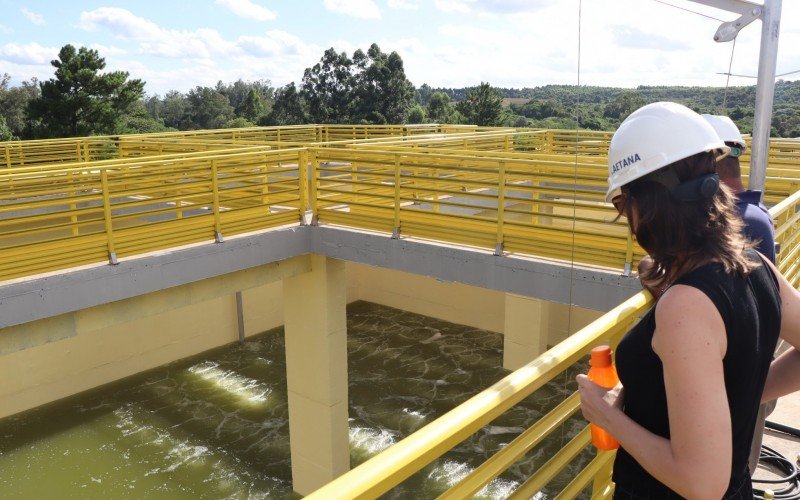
x,y
214,426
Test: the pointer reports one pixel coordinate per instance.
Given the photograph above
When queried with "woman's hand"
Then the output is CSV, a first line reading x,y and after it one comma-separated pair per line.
x,y
598,403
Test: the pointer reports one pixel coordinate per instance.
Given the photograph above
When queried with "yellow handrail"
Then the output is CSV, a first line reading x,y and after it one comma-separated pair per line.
x,y
387,469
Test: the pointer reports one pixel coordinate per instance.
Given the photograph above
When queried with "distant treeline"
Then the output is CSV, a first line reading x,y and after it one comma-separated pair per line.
x,y
366,88
602,108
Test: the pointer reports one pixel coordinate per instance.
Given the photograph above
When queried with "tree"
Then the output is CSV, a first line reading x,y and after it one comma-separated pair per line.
x,y
207,108
138,121
239,91
173,111
252,108
416,114
327,88
381,93
5,132
288,108
482,105
80,100
624,104
14,104
424,94
239,122
439,108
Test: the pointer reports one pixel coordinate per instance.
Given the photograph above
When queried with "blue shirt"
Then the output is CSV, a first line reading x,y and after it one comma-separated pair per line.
x,y
758,225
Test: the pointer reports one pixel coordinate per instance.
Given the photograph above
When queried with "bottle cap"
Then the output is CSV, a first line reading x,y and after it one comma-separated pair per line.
x,y
601,356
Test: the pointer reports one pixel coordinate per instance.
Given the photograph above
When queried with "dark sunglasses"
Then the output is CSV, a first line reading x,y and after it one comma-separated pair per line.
x,y
735,152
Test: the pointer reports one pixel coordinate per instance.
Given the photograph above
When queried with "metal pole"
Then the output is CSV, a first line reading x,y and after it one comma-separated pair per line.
x,y
240,316
765,91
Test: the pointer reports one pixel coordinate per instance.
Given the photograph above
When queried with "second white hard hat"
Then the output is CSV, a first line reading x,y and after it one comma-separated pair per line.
x,y
653,137
726,129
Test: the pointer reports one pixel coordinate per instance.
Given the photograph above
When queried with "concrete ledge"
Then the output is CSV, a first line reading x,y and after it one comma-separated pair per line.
x,y
45,296
597,289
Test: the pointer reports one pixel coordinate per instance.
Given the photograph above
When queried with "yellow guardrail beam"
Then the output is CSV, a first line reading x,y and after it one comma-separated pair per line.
x,y
380,473
513,451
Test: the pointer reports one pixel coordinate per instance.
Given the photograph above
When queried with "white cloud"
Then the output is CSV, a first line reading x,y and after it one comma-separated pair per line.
x,y
33,16
5,30
248,9
512,6
460,6
107,50
632,37
29,53
201,43
275,43
123,23
404,4
364,9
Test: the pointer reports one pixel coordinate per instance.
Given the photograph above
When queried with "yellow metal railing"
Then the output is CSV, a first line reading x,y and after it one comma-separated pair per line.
x,y
546,206
389,468
87,213
537,192
534,192
786,215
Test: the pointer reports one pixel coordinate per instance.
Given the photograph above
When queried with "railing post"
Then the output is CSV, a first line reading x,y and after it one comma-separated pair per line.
x,y
315,182
603,478
215,197
8,155
436,187
86,156
501,205
265,186
73,219
396,230
112,253
628,253
302,176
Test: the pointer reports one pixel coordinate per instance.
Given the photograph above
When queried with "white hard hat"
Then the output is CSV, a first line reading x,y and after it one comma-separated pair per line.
x,y
653,137
726,129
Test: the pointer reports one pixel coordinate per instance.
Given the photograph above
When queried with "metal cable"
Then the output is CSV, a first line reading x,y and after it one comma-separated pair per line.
x,y
575,170
728,80
689,10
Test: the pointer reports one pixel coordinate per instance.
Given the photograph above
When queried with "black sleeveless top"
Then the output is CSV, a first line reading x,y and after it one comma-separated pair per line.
x,y
751,310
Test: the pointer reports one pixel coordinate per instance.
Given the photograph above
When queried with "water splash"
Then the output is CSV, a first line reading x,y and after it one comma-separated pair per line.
x,y
371,441
247,389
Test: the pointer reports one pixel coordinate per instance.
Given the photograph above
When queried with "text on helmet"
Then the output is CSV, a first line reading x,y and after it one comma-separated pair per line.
x,y
625,162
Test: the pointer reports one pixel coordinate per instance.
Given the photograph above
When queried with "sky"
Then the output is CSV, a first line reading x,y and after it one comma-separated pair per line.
x,y
178,45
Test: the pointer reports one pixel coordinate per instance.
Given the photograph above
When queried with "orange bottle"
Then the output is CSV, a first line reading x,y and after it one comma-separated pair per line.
x,y
602,373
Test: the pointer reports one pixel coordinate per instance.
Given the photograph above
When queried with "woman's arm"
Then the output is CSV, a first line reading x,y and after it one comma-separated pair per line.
x,y
691,342
784,373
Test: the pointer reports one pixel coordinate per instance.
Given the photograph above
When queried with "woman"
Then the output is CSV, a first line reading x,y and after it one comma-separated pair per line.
x,y
696,367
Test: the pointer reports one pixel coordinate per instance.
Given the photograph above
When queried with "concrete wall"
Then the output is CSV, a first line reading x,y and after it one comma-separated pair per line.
x,y
454,302
48,359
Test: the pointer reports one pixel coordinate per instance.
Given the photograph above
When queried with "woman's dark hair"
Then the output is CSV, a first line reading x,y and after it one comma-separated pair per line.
x,y
681,235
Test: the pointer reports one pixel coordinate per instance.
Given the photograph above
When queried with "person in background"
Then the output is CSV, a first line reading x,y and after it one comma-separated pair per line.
x,y
694,370
758,225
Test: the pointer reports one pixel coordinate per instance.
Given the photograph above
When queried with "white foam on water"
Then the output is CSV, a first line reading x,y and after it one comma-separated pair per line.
x,y
183,453
414,413
247,389
450,473
370,440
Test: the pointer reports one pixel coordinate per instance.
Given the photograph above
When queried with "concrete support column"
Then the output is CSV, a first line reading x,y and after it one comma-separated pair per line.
x,y
525,334
316,372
